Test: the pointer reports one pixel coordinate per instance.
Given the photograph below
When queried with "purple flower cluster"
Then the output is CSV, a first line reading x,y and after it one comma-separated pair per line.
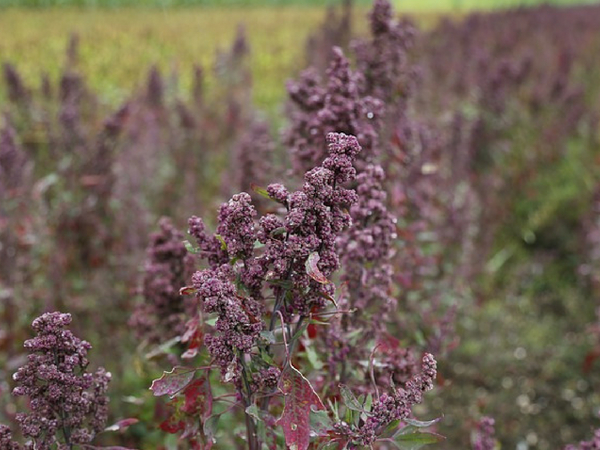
x,y
367,247
232,287
383,59
64,398
164,312
484,438
6,441
339,107
239,320
394,406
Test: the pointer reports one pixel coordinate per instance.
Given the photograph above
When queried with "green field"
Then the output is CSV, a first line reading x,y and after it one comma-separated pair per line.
x,y
119,45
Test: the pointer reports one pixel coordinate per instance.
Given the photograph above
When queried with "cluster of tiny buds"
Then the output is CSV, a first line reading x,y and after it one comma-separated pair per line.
x,y
63,397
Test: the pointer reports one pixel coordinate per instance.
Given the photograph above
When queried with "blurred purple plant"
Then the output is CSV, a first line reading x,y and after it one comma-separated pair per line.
x,y
164,312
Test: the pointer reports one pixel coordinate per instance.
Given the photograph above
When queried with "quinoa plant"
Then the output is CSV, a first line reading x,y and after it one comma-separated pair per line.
x,y
68,405
265,283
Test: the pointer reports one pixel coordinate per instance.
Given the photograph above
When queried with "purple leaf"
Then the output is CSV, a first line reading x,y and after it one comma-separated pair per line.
x,y
122,424
172,382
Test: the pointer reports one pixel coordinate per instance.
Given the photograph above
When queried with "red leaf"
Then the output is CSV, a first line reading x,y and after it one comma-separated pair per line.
x,y
312,268
198,398
194,337
299,398
172,382
588,362
172,425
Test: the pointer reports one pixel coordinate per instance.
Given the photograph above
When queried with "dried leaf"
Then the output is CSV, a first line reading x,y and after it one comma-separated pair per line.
x,y
312,269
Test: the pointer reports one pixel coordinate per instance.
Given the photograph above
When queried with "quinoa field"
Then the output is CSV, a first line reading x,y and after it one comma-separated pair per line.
x,y
299,225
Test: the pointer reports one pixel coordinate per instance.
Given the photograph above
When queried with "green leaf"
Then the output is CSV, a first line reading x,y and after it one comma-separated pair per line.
x,y
286,284
278,231
210,425
391,429
349,398
268,336
320,423
313,358
368,403
422,424
253,411
190,248
416,440
260,190
222,241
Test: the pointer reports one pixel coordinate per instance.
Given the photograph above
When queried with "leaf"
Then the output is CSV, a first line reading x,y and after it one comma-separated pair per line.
x,y
198,398
222,241
278,231
416,440
349,398
320,422
210,425
312,269
260,190
122,424
300,399
253,412
390,430
172,425
187,290
313,358
268,336
194,337
172,382
190,248
422,424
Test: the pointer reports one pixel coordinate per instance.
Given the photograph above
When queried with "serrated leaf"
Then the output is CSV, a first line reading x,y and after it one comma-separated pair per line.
x,y
172,382
299,399
349,398
416,440
312,269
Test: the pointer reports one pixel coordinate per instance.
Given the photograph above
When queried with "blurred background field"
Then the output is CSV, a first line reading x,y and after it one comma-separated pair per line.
x,y
120,39
119,126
